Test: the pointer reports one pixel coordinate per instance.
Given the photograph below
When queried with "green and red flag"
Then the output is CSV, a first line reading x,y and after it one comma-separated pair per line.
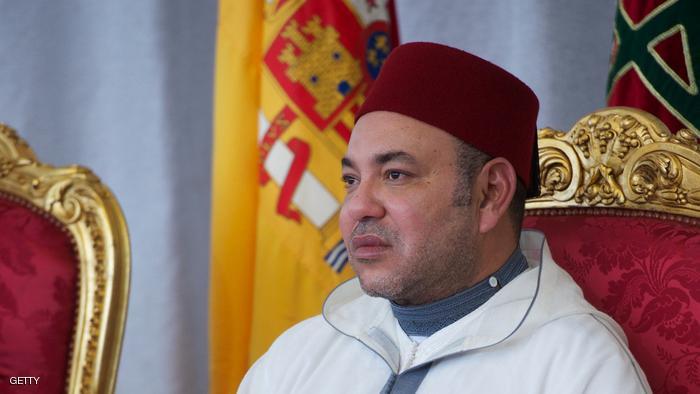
x,y
655,60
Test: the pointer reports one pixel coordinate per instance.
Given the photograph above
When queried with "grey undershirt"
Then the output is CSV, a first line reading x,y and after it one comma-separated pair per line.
x,y
425,320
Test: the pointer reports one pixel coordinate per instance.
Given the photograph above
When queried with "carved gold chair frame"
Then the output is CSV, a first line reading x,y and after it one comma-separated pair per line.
x,y
87,209
619,161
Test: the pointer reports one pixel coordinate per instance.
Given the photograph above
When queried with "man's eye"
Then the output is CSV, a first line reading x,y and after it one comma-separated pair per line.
x,y
349,180
394,175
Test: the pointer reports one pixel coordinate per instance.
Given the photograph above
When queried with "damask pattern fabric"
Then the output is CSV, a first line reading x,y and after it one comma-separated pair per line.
x,y
645,273
38,278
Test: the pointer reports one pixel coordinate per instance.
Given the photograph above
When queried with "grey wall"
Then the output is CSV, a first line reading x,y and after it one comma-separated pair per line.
x,y
125,88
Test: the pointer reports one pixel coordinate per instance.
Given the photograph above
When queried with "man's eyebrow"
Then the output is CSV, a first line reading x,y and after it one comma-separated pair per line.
x,y
395,155
345,162
383,158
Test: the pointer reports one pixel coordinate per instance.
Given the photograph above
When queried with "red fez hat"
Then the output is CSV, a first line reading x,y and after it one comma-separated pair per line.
x,y
466,96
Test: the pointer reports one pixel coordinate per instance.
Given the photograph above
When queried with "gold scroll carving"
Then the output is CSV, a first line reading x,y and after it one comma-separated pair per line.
x,y
619,157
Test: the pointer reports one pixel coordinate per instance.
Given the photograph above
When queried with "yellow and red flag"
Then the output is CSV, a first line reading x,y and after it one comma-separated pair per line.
x,y
289,76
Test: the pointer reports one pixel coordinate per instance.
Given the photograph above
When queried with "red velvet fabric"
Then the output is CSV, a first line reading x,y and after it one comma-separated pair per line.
x,y
38,291
645,273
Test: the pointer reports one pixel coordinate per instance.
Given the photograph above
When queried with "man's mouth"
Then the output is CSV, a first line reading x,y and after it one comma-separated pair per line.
x,y
368,246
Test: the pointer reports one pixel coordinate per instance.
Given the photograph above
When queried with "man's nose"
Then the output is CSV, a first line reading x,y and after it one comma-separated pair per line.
x,y
365,202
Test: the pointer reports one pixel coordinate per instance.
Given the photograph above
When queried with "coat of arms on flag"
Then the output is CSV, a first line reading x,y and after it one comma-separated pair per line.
x,y
316,69
306,66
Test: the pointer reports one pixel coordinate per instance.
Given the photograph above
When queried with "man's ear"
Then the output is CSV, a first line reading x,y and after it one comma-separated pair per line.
x,y
496,185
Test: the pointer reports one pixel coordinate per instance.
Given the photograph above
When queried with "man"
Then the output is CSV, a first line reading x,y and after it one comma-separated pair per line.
x,y
450,296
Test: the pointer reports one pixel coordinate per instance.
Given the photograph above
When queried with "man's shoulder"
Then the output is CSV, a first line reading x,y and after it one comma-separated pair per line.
x,y
315,325
314,332
588,345
586,328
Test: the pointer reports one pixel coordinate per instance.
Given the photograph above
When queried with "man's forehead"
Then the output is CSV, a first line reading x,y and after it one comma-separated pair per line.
x,y
387,131
383,131
378,144
393,122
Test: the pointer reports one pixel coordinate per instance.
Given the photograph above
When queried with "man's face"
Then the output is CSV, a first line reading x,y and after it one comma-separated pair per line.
x,y
407,241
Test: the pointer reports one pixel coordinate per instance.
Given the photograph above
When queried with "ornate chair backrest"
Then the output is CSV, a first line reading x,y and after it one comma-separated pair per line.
x,y
64,275
620,207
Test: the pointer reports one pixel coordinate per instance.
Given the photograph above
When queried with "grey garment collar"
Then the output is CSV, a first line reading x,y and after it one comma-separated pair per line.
x,y
425,320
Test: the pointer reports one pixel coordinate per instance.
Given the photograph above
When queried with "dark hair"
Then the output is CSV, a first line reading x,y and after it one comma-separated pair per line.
x,y
469,162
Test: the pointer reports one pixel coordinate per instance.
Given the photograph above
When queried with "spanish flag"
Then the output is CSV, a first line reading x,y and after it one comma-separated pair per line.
x,y
289,76
656,60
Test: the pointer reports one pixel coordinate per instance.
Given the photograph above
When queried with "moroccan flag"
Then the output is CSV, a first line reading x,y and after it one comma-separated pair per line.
x,y
656,58
289,76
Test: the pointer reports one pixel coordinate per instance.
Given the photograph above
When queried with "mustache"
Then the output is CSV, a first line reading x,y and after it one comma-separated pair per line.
x,y
365,228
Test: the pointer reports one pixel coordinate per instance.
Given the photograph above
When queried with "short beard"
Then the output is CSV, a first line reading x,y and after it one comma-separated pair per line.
x,y
437,270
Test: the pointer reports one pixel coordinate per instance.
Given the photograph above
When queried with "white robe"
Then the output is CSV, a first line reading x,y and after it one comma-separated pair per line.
x,y
536,335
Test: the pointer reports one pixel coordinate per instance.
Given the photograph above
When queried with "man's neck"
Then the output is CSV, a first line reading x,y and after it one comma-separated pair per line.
x,y
425,320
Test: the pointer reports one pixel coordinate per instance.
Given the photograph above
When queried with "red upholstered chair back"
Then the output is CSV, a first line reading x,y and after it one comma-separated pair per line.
x,y
38,291
621,211
64,273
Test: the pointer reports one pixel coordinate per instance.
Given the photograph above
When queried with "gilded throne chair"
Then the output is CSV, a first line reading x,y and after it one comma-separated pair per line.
x,y
620,206
64,276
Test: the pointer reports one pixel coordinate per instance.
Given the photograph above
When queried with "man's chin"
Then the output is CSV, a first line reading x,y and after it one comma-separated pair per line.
x,y
374,292
360,265
377,287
